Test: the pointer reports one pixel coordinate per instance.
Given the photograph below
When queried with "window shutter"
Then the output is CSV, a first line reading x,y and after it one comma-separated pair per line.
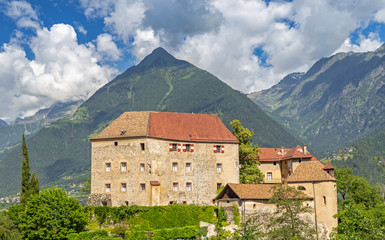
x,y
184,147
215,148
179,147
223,149
192,147
170,147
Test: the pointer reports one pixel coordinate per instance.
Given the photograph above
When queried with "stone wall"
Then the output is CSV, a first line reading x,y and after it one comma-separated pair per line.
x,y
156,163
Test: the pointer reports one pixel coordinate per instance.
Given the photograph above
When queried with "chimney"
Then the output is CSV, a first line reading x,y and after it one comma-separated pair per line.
x,y
305,149
282,152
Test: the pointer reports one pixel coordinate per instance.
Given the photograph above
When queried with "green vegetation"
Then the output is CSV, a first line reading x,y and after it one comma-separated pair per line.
x,y
8,230
287,223
361,208
29,184
249,172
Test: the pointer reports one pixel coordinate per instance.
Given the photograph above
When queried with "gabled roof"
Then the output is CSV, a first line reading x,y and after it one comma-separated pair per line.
x,y
189,127
328,166
312,171
278,154
249,191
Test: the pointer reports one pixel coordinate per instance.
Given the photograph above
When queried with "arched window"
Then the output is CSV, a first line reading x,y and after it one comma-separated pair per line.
x,y
302,188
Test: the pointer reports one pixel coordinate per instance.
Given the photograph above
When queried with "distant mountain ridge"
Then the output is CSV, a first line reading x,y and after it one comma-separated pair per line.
x,y
60,153
3,123
338,101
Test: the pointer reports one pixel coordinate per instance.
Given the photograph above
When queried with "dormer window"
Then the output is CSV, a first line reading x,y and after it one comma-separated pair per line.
x,y
122,132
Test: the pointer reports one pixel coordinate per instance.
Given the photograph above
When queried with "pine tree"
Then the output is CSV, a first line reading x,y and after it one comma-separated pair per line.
x,y
29,185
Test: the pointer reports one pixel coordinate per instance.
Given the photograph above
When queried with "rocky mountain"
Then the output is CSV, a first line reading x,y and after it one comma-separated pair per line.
x,y
339,100
10,135
60,153
3,123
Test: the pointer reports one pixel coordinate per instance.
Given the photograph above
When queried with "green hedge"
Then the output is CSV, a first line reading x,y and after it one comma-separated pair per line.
x,y
187,232
157,217
96,235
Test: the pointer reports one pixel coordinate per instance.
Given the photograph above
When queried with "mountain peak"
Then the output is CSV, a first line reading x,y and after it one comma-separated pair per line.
x,y
158,58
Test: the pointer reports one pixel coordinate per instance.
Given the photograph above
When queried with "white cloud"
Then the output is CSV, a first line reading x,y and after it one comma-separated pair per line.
x,y
107,48
23,13
82,30
371,43
62,70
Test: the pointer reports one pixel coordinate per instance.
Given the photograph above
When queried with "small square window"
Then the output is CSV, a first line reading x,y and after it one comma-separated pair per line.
x,y
142,187
188,167
142,167
175,147
188,186
218,148
142,146
219,185
275,163
123,166
108,187
124,187
219,167
174,166
108,167
116,143
188,147
175,186
269,176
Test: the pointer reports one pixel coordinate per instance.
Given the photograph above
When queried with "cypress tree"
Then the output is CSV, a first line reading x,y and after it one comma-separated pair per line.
x,y
29,185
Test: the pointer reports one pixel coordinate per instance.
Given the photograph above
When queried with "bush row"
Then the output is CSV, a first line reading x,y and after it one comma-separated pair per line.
x,y
188,232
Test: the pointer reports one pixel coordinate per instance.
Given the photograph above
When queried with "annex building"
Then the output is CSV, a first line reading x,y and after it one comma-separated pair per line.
x,y
158,158
295,167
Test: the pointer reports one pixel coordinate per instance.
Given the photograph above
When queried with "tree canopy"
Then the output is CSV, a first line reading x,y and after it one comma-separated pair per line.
x,y
248,154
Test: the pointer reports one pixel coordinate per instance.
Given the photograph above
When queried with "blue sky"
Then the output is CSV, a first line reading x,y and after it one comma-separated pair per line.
x,y
64,50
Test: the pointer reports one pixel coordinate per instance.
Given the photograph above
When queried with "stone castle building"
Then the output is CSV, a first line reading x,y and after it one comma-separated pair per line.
x,y
158,158
295,167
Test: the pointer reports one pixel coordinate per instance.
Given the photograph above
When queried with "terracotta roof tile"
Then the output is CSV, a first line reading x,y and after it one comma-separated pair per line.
x,y
172,126
129,124
310,172
275,154
253,191
328,166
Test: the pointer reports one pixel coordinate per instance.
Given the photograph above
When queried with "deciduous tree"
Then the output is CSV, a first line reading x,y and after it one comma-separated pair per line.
x,y
248,154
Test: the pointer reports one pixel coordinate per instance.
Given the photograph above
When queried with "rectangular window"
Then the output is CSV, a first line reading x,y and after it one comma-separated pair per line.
x,y
219,167
108,167
116,144
218,148
123,166
174,166
269,176
108,187
142,187
188,186
142,146
219,185
175,147
124,187
188,167
188,147
175,186
142,167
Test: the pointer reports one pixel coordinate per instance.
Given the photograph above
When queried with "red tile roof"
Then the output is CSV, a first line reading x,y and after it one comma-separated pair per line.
x,y
189,127
328,166
312,171
251,191
278,154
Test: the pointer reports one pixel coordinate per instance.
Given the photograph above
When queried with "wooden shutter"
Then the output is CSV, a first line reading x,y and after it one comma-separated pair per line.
x,y
223,149
215,148
179,147
184,147
170,147
192,148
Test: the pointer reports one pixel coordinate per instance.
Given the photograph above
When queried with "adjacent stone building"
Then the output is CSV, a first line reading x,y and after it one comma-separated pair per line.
x,y
159,158
295,167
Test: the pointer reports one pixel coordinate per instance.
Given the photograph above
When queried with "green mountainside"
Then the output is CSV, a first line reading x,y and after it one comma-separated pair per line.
x,y
60,153
362,159
337,102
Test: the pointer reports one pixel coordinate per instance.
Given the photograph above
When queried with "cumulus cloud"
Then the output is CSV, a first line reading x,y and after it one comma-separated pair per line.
x,y
107,48
23,13
62,70
222,36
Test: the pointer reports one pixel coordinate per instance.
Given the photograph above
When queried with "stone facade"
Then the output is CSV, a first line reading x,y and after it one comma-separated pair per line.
x,y
148,171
